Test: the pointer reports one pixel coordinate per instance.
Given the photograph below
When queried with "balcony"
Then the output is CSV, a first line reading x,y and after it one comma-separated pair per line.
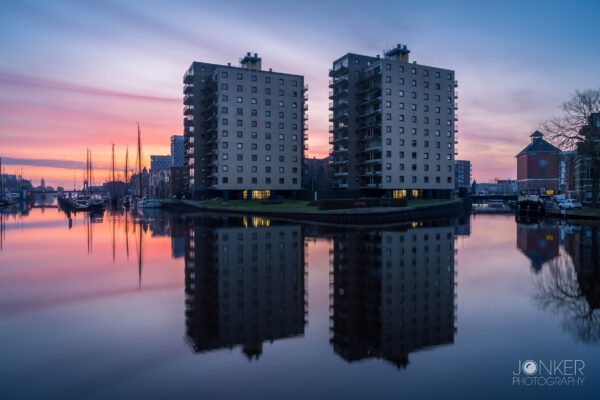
x,y
188,99
187,110
334,139
343,80
337,93
189,76
341,173
338,70
305,107
187,89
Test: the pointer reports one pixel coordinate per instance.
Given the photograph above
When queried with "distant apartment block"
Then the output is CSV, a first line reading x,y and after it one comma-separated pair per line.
x,y
393,125
160,163
462,174
177,151
538,166
244,130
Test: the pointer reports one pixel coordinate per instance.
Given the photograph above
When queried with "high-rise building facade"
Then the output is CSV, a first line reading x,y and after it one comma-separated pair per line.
x,y
244,130
177,151
462,174
393,125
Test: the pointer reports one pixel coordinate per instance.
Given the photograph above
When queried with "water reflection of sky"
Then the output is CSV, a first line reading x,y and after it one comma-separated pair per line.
x,y
82,317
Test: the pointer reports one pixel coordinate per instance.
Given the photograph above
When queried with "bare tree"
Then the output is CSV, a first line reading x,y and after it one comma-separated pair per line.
x,y
558,290
577,129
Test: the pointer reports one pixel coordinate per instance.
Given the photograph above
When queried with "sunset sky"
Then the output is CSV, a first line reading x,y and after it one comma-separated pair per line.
x,y
77,74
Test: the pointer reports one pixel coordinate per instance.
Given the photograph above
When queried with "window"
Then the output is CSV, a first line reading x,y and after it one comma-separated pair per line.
x,y
224,74
253,100
413,95
414,107
254,112
401,81
224,110
224,86
240,99
413,71
224,121
224,145
225,179
224,98
414,83
224,133
388,67
225,156
224,168
281,81
281,103
402,93
281,136
240,146
253,78
254,168
240,122
388,117
240,76
240,88
388,104
268,91
267,158
388,92
267,113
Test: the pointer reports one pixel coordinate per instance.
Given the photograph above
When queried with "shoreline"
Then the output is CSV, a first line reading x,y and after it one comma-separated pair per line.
x,y
351,216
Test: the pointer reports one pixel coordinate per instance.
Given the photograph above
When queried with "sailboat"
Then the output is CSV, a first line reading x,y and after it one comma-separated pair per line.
x,y
148,201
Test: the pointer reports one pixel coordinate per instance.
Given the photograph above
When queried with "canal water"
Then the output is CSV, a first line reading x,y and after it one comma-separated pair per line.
x,y
162,306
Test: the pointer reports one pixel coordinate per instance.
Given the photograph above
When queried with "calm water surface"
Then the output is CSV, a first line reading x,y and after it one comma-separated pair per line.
x,y
163,305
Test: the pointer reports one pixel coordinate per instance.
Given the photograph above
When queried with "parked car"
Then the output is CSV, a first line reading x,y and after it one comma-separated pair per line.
x,y
569,204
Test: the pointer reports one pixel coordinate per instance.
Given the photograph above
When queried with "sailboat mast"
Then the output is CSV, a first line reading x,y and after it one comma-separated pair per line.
x,y
126,168
112,186
139,157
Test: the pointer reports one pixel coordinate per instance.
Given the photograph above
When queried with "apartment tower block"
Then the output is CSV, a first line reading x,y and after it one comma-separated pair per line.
x,y
244,130
393,126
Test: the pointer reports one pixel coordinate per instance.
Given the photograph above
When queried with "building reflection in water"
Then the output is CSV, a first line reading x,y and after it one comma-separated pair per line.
x,y
244,283
538,240
570,285
392,291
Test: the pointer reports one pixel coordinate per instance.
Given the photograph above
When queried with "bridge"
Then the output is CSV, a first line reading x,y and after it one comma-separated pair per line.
x,y
478,198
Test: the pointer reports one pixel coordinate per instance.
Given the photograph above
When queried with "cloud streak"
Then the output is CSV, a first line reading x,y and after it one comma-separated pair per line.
x,y
49,163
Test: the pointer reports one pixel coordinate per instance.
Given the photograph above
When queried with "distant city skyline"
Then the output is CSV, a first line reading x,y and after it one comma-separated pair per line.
x,y
77,75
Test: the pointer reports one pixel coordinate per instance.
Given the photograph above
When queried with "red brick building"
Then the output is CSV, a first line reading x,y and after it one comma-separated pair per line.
x,y
538,166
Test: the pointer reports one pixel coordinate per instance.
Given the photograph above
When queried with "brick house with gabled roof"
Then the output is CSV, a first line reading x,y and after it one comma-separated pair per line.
x,y
538,166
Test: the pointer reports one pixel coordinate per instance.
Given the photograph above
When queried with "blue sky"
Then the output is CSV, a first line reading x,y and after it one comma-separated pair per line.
x,y
80,73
